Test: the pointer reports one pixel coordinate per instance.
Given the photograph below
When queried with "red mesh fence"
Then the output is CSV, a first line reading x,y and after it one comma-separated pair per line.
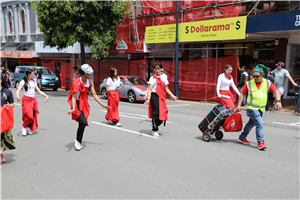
x,y
188,16
50,66
66,71
102,69
162,6
198,78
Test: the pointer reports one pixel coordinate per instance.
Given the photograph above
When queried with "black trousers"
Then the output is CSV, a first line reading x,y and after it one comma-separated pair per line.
x,y
155,111
81,125
33,118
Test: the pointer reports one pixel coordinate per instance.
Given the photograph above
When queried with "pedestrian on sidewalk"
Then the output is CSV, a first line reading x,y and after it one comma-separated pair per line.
x,y
156,98
257,90
280,75
113,86
11,77
39,77
225,80
29,103
244,78
78,101
7,100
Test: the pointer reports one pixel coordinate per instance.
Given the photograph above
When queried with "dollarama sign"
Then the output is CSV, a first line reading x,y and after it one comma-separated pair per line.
x,y
220,29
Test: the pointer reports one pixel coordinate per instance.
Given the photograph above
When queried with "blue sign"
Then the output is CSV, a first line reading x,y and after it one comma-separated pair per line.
x,y
273,22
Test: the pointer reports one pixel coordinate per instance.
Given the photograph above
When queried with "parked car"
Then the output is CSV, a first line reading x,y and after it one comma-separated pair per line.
x,y
134,88
49,80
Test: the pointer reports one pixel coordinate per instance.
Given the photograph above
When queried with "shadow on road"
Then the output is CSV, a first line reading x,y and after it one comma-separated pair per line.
x,y
9,158
70,146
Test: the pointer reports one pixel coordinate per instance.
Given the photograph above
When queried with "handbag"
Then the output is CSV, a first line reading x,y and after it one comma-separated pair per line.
x,y
233,123
7,118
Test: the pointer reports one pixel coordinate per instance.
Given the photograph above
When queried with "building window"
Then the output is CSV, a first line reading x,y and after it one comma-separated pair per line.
x,y
23,20
10,22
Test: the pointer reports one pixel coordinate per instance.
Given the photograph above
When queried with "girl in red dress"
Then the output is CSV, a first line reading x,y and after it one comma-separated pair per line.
x,y
225,80
114,84
29,103
78,101
158,86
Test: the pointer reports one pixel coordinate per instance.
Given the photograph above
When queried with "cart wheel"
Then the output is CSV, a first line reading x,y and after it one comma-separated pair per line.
x,y
219,135
206,137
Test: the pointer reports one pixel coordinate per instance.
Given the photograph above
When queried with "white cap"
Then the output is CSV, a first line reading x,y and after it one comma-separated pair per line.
x,y
87,69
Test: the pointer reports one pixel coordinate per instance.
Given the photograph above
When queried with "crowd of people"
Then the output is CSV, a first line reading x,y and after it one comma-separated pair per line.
x,y
253,90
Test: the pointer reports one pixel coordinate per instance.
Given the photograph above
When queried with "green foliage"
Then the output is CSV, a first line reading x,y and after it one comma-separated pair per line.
x,y
92,23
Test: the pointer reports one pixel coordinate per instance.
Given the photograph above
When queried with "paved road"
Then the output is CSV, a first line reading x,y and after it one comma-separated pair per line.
x,y
128,163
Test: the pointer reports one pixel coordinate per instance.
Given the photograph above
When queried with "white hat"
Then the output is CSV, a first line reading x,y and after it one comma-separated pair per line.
x,y
87,69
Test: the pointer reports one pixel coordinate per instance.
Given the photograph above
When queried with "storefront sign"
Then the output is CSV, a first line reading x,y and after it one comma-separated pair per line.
x,y
16,54
122,45
161,34
30,60
274,22
220,29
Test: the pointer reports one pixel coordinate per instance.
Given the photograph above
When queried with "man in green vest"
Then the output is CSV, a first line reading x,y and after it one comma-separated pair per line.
x,y
257,90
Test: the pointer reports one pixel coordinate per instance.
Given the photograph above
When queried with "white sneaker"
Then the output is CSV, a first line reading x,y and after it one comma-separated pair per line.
x,y
155,133
107,121
29,131
77,145
24,132
118,124
81,146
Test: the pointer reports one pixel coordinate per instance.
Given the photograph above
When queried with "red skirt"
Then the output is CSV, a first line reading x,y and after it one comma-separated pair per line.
x,y
229,102
28,106
113,99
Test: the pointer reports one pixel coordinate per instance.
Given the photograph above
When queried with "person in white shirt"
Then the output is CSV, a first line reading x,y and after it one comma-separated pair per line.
x,y
280,75
114,84
225,80
29,102
158,86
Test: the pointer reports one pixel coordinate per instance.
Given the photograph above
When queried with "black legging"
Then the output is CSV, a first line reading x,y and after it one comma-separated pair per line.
x,y
33,119
81,125
155,111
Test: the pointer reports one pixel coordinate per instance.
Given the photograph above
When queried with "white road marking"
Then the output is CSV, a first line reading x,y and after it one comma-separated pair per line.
x,y
17,104
133,114
292,124
142,118
126,130
178,105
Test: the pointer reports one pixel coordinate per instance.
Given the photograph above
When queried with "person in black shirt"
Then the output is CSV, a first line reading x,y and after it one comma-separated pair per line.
x,y
39,78
7,99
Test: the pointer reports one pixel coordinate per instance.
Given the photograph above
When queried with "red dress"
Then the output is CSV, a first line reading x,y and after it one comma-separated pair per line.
x,y
28,105
160,91
78,86
113,99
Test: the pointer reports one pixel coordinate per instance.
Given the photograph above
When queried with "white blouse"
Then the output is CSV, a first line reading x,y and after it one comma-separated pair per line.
x,y
224,83
152,81
31,88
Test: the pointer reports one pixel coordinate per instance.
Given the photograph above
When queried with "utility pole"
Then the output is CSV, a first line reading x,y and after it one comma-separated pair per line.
x,y
176,86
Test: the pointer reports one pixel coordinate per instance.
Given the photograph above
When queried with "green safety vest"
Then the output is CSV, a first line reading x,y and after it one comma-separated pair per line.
x,y
257,98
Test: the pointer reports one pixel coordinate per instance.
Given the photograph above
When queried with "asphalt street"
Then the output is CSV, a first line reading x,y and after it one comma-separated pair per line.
x,y
129,163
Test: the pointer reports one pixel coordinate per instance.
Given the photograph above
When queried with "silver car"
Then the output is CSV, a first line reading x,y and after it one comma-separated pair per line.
x,y
134,88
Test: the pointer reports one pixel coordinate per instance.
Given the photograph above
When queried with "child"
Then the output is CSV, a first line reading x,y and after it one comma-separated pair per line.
x,y
158,111
78,101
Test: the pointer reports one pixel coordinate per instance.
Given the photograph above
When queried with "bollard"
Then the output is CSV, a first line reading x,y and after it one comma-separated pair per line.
x,y
67,83
297,99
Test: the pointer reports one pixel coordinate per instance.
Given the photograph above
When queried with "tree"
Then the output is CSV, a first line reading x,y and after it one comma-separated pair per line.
x,y
91,23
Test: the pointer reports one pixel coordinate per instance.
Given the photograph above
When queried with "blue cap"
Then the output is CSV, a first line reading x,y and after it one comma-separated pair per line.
x,y
280,63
